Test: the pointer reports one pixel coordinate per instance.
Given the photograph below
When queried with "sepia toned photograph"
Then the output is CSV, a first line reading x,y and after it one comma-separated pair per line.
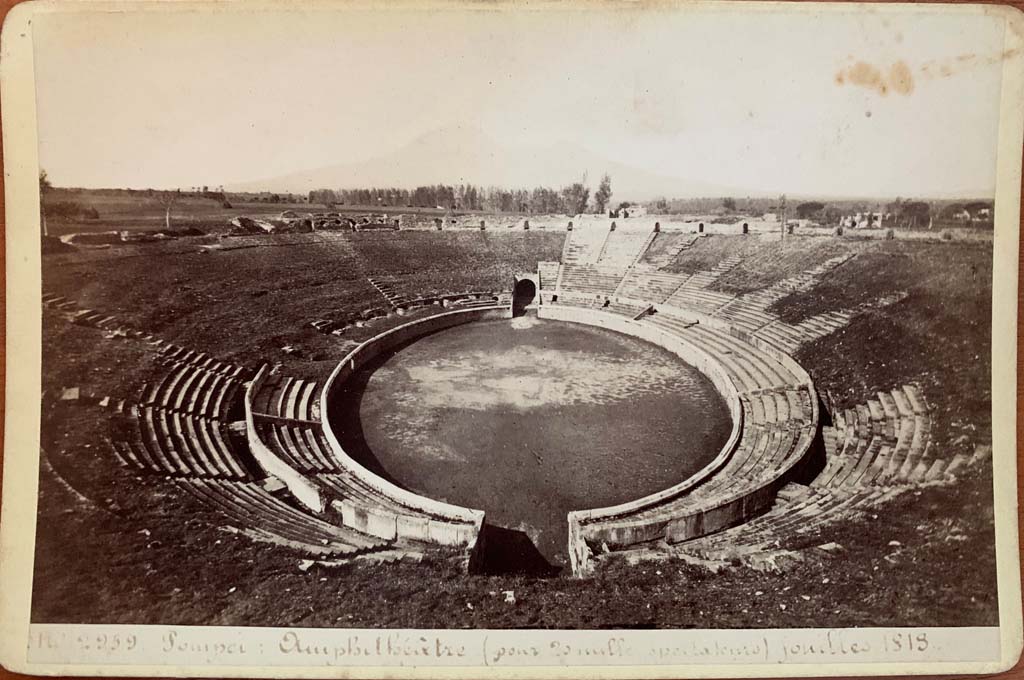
x,y
359,321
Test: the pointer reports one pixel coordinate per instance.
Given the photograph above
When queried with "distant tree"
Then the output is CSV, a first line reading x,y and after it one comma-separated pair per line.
x,y
44,182
167,199
914,213
951,211
603,193
575,198
809,209
832,214
729,203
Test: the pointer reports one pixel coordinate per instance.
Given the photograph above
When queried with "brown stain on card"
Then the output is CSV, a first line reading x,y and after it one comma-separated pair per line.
x,y
896,78
899,78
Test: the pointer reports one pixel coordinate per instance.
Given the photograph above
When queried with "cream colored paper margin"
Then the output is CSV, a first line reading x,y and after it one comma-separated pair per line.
x,y
21,443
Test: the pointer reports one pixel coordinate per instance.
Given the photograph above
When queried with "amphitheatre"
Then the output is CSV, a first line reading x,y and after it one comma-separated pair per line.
x,y
543,422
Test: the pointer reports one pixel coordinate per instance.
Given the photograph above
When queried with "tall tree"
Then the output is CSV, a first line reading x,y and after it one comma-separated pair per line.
x,y
167,199
603,193
575,198
44,188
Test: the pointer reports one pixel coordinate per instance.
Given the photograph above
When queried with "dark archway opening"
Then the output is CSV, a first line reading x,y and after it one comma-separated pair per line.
x,y
522,296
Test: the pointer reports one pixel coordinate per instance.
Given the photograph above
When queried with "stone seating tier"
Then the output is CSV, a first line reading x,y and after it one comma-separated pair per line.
x,y
180,445
194,389
624,247
793,523
590,280
650,286
884,443
266,517
702,300
583,246
288,397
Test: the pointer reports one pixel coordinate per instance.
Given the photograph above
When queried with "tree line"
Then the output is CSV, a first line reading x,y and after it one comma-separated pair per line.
x,y
572,199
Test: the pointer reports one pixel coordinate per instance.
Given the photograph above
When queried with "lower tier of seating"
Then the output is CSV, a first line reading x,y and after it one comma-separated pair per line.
x,y
873,453
743,487
287,397
795,522
264,516
303,447
750,368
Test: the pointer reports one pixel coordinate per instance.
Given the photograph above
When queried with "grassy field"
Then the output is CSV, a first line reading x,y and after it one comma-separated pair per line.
x,y
138,211
115,548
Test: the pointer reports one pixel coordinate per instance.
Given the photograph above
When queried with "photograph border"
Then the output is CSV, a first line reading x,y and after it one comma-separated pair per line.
x,y
23,354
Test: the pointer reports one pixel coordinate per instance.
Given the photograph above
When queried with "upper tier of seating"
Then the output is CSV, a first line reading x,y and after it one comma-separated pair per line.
x,y
747,312
583,245
885,442
175,444
207,389
624,246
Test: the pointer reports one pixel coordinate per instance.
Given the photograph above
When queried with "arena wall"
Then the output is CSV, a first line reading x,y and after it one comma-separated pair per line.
x,y
448,524
612,526
624,533
300,487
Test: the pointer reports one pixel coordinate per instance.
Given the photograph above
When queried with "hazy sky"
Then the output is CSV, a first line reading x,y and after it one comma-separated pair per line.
x,y
766,102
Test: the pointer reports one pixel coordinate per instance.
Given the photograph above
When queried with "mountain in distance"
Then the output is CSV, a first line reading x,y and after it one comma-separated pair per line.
x,y
467,155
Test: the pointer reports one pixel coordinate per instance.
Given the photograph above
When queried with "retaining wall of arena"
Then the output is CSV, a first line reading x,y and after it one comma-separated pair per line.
x,y
304,490
448,524
611,525
579,550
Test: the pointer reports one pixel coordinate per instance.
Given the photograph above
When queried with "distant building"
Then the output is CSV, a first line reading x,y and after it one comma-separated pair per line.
x,y
628,211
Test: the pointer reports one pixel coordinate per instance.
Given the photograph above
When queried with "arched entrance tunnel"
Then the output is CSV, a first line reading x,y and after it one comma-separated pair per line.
x,y
523,295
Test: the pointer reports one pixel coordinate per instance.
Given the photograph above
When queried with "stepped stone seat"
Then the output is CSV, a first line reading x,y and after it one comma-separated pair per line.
x,y
180,444
287,397
884,443
304,448
625,308
747,317
794,522
300,446
584,245
624,246
275,520
548,273
589,280
699,299
751,368
194,389
748,480
650,286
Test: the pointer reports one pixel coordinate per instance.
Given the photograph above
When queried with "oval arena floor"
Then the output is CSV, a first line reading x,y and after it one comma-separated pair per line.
x,y
528,419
